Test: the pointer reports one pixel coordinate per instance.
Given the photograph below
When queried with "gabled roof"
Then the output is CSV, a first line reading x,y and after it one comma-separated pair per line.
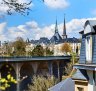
x,y
56,38
65,85
92,23
80,75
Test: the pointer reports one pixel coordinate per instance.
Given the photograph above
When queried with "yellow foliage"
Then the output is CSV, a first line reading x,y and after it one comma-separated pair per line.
x,y
8,76
66,48
2,88
3,80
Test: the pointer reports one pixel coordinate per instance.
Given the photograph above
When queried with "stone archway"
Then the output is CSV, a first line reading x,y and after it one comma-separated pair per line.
x,y
43,69
26,73
5,70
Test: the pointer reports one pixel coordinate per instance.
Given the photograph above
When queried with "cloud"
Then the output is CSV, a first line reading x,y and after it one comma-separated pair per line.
x,y
14,32
46,31
32,30
2,27
73,28
57,4
3,31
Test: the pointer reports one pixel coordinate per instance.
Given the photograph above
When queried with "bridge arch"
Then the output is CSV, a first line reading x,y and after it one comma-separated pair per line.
x,y
6,69
43,69
26,74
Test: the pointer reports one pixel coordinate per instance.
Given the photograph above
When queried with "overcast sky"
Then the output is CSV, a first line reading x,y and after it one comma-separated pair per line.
x,y
41,20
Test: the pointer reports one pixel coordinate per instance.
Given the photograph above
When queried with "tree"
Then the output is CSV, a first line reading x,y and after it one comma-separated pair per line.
x,y
66,48
37,51
8,48
48,52
40,51
40,83
19,47
74,58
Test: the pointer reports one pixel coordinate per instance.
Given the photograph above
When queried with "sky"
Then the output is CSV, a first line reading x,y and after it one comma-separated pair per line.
x,y
41,20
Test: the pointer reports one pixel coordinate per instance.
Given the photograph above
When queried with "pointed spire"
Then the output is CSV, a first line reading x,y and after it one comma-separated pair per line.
x,y
64,29
56,27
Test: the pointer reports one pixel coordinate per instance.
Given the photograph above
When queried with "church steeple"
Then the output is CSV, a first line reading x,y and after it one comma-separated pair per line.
x,y
64,29
56,27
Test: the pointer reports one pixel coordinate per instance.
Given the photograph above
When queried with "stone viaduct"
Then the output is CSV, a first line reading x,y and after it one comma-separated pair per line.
x,y
23,68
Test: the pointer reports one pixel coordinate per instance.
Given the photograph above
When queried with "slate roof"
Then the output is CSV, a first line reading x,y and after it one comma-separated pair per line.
x,y
92,23
41,40
56,38
65,85
79,75
71,40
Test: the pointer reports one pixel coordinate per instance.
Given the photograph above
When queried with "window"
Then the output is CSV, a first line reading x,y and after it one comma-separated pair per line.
x,y
88,49
80,89
87,29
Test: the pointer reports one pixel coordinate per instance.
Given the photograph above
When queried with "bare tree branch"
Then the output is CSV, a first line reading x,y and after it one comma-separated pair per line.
x,y
14,5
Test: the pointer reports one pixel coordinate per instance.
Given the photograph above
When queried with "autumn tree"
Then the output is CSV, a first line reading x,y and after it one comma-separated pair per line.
x,y
66,48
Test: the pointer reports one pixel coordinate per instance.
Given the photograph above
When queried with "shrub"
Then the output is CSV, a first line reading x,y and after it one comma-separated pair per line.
x,y
40,83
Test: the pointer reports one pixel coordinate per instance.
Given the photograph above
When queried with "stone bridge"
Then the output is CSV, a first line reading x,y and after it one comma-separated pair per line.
x,y
23,68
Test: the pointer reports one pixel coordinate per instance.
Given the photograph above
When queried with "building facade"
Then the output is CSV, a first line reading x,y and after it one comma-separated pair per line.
x,y
86,73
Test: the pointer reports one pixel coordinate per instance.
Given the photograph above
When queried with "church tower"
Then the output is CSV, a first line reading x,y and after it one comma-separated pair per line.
x,y
56,38
56,27
64,36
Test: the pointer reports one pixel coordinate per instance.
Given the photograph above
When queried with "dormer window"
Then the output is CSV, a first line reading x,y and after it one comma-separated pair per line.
x,y
87,29
88,49
88,45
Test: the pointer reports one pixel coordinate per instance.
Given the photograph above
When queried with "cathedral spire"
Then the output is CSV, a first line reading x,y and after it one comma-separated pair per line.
x,y
64,29
56,27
